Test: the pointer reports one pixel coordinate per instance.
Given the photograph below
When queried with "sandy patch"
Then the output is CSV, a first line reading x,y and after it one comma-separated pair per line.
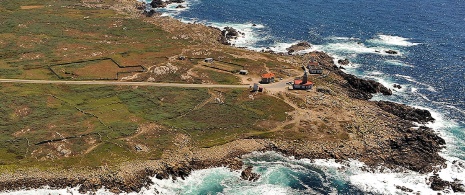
x,y
32,7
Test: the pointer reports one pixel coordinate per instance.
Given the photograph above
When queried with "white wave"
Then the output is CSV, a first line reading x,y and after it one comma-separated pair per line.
x,y
335,38
398,63
350,49
172,9
375,73
387,82
392,40
409,78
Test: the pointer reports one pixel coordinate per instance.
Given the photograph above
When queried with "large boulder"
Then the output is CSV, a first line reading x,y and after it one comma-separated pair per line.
x,y
406,112
343,62
158,3
392,52
298,47
247,174
228,34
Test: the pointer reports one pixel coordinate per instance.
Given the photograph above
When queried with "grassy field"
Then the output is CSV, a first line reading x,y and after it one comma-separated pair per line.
x,y
55,32
67,126
102,124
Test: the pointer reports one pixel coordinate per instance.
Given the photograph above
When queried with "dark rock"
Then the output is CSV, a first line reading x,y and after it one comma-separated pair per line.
x,y
177,1
361,88
298,47
437,184
403,188
397,86
343,62
417,150
230,32
227,34
457,186
406,112
391,52
158,3
180,6
247,174
150,13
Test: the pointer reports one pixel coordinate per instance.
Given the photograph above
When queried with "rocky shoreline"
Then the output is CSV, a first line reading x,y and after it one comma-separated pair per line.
x,y
403,146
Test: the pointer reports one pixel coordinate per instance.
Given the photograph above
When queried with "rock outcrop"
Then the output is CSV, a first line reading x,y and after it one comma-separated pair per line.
x,y
298,47
228,34
406,112
161,3
361,88
343,62
416,150
392,52
247,174
158,3
438,184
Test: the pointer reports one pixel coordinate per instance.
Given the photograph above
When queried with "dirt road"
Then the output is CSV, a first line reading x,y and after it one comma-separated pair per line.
x,y
121,83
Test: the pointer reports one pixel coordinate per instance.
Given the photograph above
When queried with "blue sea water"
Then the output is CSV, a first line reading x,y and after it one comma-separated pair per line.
x,y
430,67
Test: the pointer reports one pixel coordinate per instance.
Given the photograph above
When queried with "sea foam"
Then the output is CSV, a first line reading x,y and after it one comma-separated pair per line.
x,y
392,40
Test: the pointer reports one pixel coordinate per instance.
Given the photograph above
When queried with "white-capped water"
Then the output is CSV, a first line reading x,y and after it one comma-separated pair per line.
x,y
392,40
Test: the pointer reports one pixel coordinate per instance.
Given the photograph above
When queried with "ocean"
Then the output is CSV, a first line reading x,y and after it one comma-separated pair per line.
x,y
430,66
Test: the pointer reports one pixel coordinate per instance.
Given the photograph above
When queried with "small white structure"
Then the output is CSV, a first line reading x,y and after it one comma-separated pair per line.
x,y
209,60
243,72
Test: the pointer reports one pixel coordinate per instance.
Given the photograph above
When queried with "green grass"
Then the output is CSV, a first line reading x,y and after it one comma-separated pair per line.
x,y
107,117
62,32
110,114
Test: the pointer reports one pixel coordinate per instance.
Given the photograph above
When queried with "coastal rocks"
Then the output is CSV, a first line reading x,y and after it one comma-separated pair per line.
x,y
343,62
176,1
161,3
174,172
247,174
403,188
158,3
392,52
149,13
438,184
406,112
361,88
416,150
298,47
228,34
397,86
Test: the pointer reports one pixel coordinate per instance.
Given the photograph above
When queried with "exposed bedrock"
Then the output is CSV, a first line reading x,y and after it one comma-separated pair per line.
x,y
361,88
406,112
298,47
247,174
343,62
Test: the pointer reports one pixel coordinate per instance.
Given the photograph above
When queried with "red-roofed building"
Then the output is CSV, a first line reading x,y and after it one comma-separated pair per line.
x,y
267,78
303,83
298,84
